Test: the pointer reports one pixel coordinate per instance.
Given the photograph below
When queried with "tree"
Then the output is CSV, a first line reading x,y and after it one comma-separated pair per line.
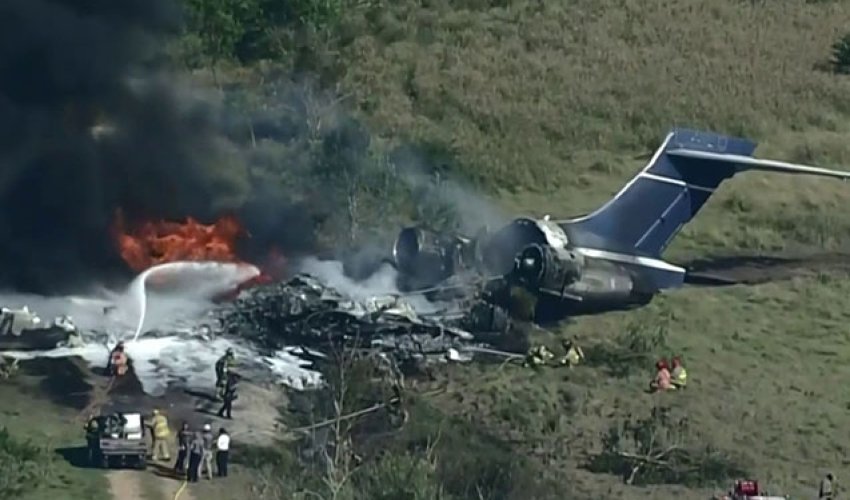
x,y
220,25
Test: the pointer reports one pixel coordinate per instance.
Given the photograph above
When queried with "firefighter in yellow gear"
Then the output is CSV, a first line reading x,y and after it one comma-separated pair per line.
x,y
679,376
160,433
538,356
573,354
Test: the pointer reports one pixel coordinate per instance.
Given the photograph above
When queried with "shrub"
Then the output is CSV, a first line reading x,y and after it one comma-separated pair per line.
x,y
22,465
659,449
841,55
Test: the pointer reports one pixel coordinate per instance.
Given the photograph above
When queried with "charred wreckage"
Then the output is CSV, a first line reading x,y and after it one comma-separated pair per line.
x,y
534,270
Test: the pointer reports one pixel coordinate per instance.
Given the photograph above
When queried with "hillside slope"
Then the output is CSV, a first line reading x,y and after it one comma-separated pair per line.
x,y
546,106
550,102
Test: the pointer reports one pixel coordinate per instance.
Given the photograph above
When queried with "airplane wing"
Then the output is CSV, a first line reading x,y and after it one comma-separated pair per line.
x,y
749,163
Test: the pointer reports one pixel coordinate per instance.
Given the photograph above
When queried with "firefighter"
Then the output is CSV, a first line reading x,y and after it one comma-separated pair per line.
x,y
679,376
229,397
118,361
661,382
92,437
573,354
222,369
160,433
538,356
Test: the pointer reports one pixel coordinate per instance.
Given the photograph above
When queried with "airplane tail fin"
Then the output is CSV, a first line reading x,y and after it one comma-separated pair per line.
x,y
648,212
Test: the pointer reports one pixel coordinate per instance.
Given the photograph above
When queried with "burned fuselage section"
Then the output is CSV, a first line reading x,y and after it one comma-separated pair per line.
x,y
533,254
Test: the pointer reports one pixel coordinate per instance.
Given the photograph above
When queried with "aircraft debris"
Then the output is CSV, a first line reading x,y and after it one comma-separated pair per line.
x,y
23,330
304,311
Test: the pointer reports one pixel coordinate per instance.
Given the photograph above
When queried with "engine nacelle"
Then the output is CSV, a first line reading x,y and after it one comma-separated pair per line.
x,y
542,267
505,245
425,258
418,251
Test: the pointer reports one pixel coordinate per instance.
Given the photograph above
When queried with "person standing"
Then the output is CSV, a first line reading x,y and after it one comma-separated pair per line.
x,y
229,397
196,451
93,437
207,459
184,439
222,454
827,487
160,433
223,367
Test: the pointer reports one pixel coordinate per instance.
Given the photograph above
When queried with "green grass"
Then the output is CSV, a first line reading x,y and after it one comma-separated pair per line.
x,y
517,91
765,363
29,416
545,108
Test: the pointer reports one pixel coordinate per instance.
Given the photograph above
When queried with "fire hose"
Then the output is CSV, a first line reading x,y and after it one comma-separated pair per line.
x,y
98,400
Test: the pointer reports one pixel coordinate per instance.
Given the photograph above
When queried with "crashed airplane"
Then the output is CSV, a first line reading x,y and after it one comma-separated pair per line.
x,y
22,329
606,260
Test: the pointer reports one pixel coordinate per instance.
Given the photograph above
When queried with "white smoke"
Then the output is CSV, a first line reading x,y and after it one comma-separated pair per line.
x,y
472,209
381,283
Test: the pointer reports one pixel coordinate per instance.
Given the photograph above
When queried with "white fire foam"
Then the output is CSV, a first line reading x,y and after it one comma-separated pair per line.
x,y
175,306
189,362
206,278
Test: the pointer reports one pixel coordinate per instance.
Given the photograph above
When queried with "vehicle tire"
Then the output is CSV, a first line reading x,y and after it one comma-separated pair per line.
x,y
142,463
104,461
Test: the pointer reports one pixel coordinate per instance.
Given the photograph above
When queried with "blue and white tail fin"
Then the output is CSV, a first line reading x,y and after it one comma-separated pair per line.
x,y
644,217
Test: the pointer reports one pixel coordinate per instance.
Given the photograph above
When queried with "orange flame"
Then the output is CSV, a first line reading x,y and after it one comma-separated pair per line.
x,y
158,242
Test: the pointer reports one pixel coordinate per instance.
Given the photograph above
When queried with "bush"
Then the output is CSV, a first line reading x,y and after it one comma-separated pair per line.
x,y
22,465
400,476
635,349
841,55
657,449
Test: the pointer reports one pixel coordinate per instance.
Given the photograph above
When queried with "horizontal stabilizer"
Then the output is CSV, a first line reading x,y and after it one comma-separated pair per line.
x,y
743,163
649,211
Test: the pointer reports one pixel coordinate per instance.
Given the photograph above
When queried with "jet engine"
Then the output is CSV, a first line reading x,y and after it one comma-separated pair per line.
x,y
542,267
426,258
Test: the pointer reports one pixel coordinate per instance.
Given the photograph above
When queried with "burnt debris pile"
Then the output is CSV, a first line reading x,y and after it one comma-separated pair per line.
x,y
305,312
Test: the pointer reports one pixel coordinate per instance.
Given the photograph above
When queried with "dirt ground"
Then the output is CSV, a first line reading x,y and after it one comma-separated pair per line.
x,y
255,421
125,485
737,269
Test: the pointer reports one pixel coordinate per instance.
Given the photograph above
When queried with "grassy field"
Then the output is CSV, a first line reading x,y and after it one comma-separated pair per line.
x,y
41,406
548,108
545,108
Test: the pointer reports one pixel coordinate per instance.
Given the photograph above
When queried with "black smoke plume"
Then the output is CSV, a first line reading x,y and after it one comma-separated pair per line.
x,y
89,122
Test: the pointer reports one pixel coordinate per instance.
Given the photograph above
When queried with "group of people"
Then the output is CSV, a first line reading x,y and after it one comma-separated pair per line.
x,y
200,447
541,355
669,376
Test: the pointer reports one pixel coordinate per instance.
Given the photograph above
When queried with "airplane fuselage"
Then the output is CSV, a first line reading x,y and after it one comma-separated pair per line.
x,y
610,258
